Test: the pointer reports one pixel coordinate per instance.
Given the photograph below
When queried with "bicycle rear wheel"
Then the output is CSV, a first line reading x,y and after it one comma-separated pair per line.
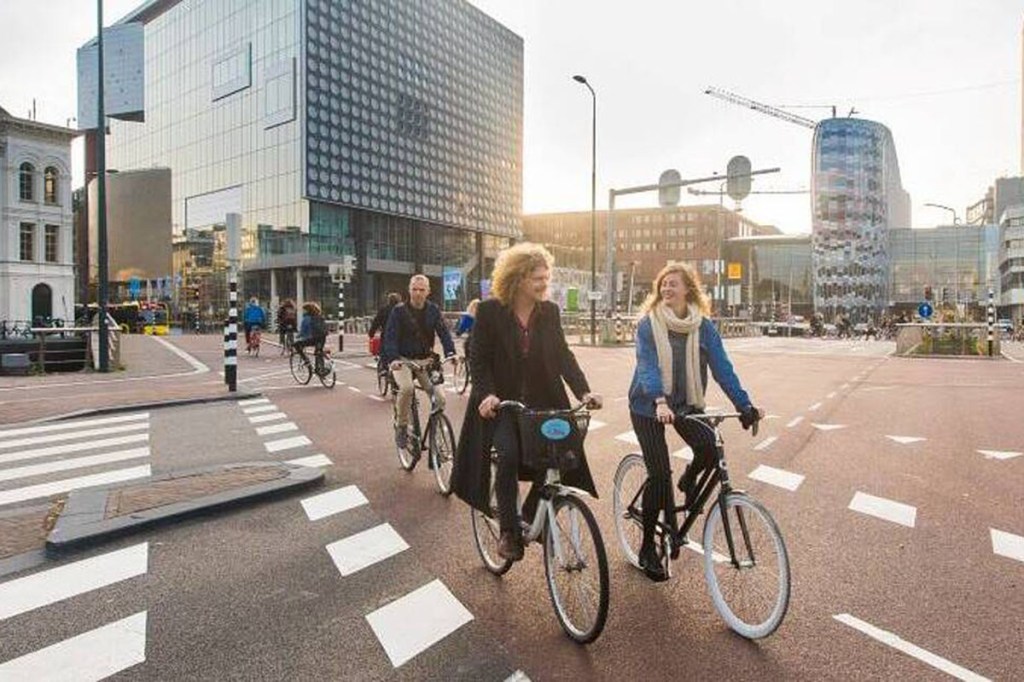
x,y
410,454
301,370
752,593
442,452
630,479
382,382
256,339
486,532
328,377
461,377
577,569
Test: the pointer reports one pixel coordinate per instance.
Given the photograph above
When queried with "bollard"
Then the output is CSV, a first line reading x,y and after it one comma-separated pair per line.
x,y
231,335
341,316
991,321
619,331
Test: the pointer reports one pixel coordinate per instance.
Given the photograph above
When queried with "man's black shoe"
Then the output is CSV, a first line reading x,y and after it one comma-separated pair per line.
x,y
510,545
651,564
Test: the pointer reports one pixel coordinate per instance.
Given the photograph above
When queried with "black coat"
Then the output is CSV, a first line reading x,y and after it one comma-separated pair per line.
x,y
496,365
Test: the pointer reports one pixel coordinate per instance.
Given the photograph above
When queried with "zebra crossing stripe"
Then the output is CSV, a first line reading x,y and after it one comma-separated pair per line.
x,y
92,655
259,408
287,443
68,448
276,428
253,401
72,435
312,461
356,552
413,623
66,426
333,502
65,485
261,418
76,463
70,580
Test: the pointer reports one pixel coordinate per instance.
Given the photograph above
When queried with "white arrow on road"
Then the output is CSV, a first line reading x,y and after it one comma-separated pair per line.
x,y
828,427
999,454
906,440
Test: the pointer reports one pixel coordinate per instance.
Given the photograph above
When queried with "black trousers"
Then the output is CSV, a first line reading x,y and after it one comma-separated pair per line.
x,y
658,495
506,480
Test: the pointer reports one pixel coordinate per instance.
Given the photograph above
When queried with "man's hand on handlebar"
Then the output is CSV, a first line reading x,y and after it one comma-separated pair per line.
x,y
489,406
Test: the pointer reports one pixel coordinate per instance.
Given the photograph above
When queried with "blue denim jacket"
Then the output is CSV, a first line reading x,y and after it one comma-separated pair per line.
x,y
647,386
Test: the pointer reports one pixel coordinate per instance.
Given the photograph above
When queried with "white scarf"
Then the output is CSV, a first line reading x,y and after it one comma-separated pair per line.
x,y
663,319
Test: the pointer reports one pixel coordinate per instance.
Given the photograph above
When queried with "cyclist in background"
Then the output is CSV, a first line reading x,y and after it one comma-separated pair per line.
x,y
409,335
254,315
519,353
312,333
465,326
675,344
286,315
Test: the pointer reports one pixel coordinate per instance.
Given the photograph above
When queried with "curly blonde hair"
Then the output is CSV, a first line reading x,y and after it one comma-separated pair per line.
x,y
694,288
515,264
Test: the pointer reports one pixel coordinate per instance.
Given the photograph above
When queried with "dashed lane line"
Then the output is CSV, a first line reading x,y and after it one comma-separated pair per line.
x,y
881,508
999,454
287,443
276,428
333,502
356,552
794,421
311,461
262,418
829,427
415,622
766,443
906,440
779,478
1007,544
814,407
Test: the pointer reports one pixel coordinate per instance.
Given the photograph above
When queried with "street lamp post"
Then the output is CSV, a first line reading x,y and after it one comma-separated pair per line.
x,y
593,208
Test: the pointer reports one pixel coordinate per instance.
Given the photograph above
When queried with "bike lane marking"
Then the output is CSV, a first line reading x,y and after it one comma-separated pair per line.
x,y
333,502
779,478
881,508
361,550
1007,544
413,623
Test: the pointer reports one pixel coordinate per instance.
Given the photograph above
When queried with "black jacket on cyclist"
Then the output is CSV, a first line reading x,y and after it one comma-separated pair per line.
x,y
499,368
407,337
380,320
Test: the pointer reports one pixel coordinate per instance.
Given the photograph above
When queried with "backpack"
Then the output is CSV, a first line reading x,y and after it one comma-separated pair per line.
x,y
318,327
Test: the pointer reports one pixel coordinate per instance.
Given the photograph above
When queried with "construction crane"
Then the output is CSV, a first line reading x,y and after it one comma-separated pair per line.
x,y
733,98
713,192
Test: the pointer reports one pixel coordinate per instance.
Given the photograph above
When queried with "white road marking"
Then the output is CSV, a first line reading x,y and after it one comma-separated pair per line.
x,y
912,650
878,388
596,424
259,408
377,398
198,366
356,552
313,461
356,389
1007,544
65,426
766,443
276,428
906,440
261,418
814,407
411,624
887,510
829,427
75,463
696,548
253,401
333,502
777,477
686,453
73,435
999,454
287,443
844,387
93,655
33,492
830,395
628,437
793,422
70,580
73,447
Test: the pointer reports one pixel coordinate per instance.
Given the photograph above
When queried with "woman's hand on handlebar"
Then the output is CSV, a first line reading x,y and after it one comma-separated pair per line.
x,y
664,414
489,406
593,401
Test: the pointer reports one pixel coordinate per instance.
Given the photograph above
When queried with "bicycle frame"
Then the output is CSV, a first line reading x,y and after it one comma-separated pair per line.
x,y
435,409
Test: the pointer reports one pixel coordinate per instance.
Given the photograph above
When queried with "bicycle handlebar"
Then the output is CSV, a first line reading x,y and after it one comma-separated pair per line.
x,y
717,418
515,404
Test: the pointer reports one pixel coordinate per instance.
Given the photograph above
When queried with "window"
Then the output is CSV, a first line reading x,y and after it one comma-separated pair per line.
x,y
26,182
28,236
51,185
51,243
232,72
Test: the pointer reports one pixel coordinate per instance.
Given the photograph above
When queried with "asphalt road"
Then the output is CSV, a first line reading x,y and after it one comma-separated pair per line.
x,y
256,593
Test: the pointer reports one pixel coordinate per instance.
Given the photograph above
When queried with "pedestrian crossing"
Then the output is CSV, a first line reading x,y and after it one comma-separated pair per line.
x,y
49,460
266,418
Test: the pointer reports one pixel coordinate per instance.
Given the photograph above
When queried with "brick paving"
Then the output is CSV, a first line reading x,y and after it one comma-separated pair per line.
x,y
27,530
138,498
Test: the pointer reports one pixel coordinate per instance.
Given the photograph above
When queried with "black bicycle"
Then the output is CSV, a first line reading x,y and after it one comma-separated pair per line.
x,y
746,565
322,366
575,562
438,440
461,375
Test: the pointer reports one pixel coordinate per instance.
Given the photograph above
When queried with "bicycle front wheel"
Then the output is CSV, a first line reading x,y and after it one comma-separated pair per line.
x,y
486,532
627,500
462,375
328,377
301,370
409,455
382,383
749,584
577,569
442,452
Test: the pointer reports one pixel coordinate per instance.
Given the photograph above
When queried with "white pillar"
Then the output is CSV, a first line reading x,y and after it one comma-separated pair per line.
x,y
274,303
300,295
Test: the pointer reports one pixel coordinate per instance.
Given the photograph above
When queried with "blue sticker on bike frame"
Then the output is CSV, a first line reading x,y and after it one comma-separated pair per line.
x,y
556,429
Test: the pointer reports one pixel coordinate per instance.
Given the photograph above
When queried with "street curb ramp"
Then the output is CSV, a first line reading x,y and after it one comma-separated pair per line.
x,y
83,523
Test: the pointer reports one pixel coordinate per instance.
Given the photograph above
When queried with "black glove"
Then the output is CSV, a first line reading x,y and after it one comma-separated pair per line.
x,y
749,417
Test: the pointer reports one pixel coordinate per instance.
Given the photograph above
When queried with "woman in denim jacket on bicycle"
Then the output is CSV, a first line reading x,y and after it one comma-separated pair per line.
x,y
675,344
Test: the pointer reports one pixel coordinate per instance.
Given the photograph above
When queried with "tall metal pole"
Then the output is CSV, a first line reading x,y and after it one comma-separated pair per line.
x,y
101,198
593,208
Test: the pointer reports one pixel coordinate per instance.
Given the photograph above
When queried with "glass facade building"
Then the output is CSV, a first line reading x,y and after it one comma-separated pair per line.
x,y
386,129
857,197
769,273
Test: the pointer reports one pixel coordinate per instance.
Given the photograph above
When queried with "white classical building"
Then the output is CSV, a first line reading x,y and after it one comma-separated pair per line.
x,y
37,279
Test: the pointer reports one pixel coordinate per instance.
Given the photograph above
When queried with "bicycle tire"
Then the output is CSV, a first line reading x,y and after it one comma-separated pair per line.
x,y
382,383
629,528
301,371
328,376
462,375
257,339
486,532
575,566
409,455
442,452
718,567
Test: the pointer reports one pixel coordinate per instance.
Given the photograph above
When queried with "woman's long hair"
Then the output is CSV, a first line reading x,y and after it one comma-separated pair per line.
x,y
694,289
515,264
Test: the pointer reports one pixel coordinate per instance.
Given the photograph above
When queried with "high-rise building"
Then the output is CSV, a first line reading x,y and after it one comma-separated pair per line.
x,y
857,197
390,130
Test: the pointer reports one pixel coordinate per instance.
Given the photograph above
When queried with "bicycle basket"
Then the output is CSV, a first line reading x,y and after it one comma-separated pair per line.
x,y
552,439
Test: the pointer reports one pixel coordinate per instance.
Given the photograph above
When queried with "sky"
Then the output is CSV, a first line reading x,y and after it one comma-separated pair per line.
x,y
943,75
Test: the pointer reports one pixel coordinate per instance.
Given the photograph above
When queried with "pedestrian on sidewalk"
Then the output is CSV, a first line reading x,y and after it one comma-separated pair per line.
x,y
676,341
254,316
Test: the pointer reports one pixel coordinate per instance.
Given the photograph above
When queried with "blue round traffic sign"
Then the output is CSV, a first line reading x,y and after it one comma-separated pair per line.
x,y
925,310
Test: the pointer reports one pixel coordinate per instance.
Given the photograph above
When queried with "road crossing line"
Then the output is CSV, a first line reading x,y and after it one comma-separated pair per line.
x,y
628,437
906,440
794,421
830,395
417,621
312,461
685,453
65,485
259,408
1007,544
333,502
828,427
253,401
67,426
912,650
92,655
70,580
999,454
68,448
881,508
814,407
777,477
766,443
287,443
72,435
276,428
261,418
76,463
356,552
596,424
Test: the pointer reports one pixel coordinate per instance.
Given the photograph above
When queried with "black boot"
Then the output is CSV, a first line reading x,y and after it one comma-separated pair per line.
x,y
650,563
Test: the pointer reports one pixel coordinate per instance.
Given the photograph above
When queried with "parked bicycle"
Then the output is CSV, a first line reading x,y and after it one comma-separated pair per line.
x,y
575,562
746,565
322,366
438,439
